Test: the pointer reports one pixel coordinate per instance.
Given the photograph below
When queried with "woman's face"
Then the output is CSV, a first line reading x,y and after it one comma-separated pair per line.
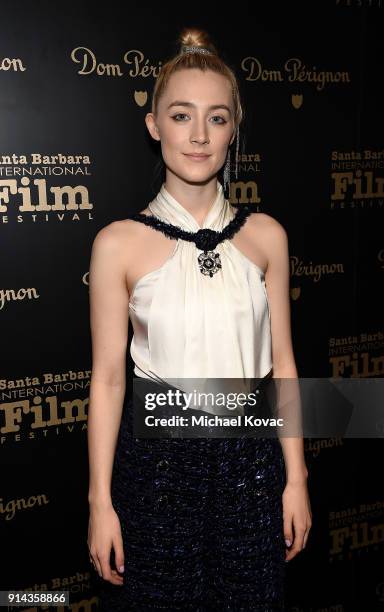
x,y
186,123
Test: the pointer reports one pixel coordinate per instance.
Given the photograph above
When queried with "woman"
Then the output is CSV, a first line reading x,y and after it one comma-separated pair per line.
x,y
191,524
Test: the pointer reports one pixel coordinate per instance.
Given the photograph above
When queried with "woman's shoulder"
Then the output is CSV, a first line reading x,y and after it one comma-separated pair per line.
x,y
270,226
265,232
122,236
118,229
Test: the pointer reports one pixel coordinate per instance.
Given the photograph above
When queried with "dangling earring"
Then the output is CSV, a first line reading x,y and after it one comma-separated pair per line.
x,y
227,167
237,151
227,171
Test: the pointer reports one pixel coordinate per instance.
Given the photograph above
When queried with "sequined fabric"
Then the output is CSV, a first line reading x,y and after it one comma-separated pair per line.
x,y
201,522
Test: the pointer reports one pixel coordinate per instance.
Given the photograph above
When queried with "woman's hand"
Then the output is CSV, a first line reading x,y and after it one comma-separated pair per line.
x,y
297,517
104,532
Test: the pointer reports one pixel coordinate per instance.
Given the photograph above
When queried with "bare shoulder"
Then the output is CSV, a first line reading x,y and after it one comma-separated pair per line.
x,y
131,248
107,238
130,226
119,235
266,222
267,231
107,253
270,238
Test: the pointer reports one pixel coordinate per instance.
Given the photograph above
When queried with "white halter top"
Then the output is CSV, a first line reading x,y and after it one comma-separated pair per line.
x,y
189,325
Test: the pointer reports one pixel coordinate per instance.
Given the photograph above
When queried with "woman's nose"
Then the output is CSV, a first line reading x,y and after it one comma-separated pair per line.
x,y
200,138
199,133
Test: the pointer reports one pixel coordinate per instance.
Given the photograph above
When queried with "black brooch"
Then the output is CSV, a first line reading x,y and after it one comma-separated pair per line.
x,y
206,239
209,263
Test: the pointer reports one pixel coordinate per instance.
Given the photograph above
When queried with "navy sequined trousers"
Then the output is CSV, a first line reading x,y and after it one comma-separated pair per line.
x,y
201,521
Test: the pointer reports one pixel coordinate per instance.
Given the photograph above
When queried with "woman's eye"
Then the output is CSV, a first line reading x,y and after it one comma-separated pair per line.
x,y
179,115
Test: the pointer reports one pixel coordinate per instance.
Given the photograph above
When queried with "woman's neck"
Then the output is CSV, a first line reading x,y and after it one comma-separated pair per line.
x,y
197,199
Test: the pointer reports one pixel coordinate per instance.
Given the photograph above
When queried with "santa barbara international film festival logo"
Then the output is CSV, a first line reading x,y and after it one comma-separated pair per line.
x,y
356,531
357,179
29,191
44,406
358,355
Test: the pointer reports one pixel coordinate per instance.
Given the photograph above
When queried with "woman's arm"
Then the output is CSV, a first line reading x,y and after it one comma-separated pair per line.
x,y
296,504
109,316
275,243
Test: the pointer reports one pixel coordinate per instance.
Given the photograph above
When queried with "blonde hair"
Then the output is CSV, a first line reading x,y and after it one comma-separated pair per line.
x,y
195,37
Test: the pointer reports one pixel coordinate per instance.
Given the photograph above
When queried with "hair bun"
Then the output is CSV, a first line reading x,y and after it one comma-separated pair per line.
x,y
194,37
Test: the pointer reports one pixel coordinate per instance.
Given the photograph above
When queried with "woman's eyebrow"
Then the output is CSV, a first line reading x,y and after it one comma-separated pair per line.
x,y
212,107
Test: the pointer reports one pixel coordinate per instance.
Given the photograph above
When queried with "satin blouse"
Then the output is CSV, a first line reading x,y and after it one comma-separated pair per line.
x,y
191,326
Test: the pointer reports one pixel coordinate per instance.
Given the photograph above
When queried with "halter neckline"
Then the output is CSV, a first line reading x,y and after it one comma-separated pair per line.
x,y
167,208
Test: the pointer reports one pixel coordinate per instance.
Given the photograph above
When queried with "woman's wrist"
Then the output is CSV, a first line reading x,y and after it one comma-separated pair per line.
x,y
297,477
99,500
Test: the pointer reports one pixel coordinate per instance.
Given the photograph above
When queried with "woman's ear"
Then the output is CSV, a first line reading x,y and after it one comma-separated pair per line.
x,y
151,125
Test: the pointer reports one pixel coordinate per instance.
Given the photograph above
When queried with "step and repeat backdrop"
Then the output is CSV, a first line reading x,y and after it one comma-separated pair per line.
x,y
75,84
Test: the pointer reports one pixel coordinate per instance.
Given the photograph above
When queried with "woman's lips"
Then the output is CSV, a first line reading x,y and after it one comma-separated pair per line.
x,y
197,157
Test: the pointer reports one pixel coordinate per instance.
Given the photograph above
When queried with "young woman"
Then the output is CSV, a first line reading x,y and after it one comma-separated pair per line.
x,y
191,523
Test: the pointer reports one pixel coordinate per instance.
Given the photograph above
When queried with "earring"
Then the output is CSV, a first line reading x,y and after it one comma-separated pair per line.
x,y
227,171
227,167
237,151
